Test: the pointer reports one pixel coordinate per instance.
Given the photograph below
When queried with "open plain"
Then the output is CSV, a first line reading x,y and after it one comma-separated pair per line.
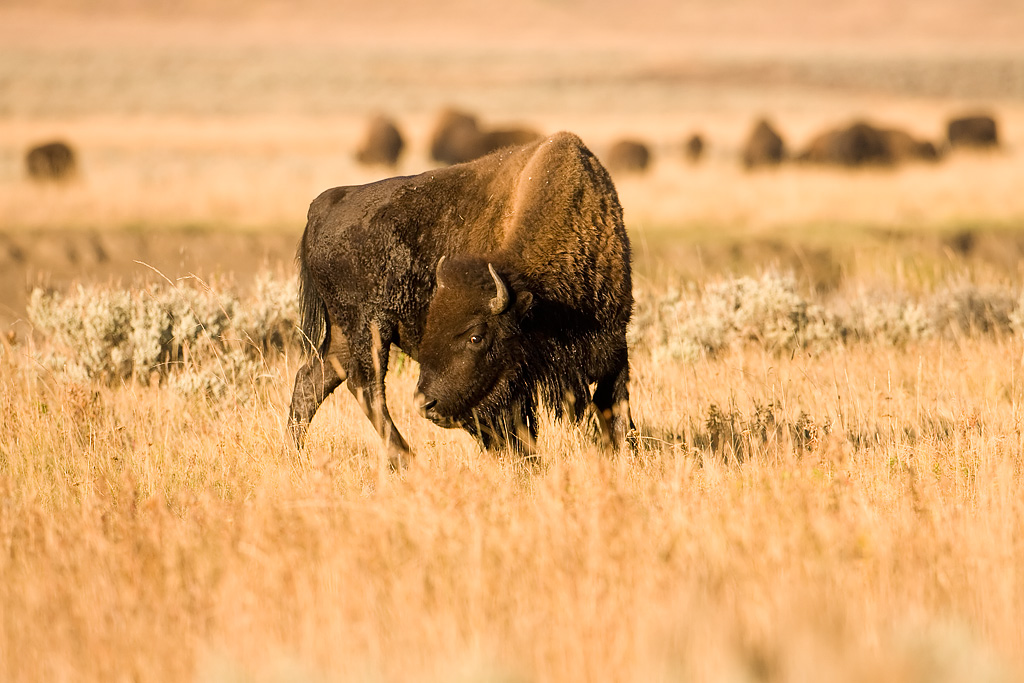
x,y
826,374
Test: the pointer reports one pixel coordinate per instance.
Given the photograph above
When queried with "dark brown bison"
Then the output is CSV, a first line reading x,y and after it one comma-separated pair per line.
x,y
382,144
508,278
973,131
764,146
51,161
628,156
694,148
863,144
493,140
856,145
458,138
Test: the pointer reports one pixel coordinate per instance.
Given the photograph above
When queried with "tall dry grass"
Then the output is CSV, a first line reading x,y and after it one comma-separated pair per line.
x,y
849,515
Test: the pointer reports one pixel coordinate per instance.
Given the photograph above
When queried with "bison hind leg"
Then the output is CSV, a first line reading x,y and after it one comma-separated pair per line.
x,y
314,382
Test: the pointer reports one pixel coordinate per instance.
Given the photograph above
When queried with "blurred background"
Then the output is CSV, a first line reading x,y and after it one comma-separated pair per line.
x,y
189,136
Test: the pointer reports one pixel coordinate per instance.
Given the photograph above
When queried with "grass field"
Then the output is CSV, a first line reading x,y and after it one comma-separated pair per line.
x,y
843,505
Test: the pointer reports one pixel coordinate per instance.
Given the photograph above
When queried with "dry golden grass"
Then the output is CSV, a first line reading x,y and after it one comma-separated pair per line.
x,y
870,529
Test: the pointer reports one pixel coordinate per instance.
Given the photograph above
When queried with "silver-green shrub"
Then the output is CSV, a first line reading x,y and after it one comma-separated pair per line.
x,y
197,337
770,311
209,340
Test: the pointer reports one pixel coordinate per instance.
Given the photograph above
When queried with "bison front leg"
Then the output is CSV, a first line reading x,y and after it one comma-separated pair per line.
x,y
612,402
366,382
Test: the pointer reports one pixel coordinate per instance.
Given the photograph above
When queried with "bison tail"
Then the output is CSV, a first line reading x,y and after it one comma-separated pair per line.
x,y
312,311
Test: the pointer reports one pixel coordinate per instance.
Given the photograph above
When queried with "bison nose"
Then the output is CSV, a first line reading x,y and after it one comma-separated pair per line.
x,y
429,404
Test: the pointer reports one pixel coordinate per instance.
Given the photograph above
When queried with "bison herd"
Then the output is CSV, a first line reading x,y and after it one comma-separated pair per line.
x,y
458,137
861,143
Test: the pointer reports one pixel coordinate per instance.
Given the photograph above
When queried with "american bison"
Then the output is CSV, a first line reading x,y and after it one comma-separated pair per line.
x,y
694,148
863,144
458,138
764,146
455,138
51,161
493,140
973,131
508,278
905,147
382,144
628,156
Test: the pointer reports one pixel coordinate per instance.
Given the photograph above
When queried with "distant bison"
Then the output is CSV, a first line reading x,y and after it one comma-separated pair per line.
x,y
508,278
628,156
382,144
973,131
905,147
764,147
694,148
863,144
455,138
51,161
493,140
458,138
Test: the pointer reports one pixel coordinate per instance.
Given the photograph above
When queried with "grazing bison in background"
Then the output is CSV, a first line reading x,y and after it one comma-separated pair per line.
x,y
905,147
455,138
382,144
694,148
764,147
50,161
508,278
972,131
493,140
862,144
458,138
628,156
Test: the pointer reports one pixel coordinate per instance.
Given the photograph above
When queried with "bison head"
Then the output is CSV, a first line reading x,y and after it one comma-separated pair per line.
x,y
471,350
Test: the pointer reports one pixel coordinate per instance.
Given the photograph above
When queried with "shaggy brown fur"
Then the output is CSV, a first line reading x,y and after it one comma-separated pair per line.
x,y
545,218
382,144
764,147
51,161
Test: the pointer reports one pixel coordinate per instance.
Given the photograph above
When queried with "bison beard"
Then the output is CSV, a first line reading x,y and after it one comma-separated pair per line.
x,y
507,278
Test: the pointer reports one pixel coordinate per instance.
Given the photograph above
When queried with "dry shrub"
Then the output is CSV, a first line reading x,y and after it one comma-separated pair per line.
x,y
770,311
197,337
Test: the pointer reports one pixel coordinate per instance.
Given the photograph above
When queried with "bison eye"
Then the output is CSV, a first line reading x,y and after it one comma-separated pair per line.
x,y
476,339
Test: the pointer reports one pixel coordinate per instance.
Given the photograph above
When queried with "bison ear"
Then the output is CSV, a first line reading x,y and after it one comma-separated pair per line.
x,y
437,273
524,300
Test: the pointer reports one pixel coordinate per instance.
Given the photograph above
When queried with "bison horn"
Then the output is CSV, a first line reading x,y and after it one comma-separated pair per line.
x,y
500,301
437,273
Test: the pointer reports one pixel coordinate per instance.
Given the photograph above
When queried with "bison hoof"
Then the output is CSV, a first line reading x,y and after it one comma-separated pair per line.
x,y
399,462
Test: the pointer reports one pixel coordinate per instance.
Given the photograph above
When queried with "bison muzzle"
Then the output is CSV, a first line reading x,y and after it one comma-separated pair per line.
x,y
507,278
